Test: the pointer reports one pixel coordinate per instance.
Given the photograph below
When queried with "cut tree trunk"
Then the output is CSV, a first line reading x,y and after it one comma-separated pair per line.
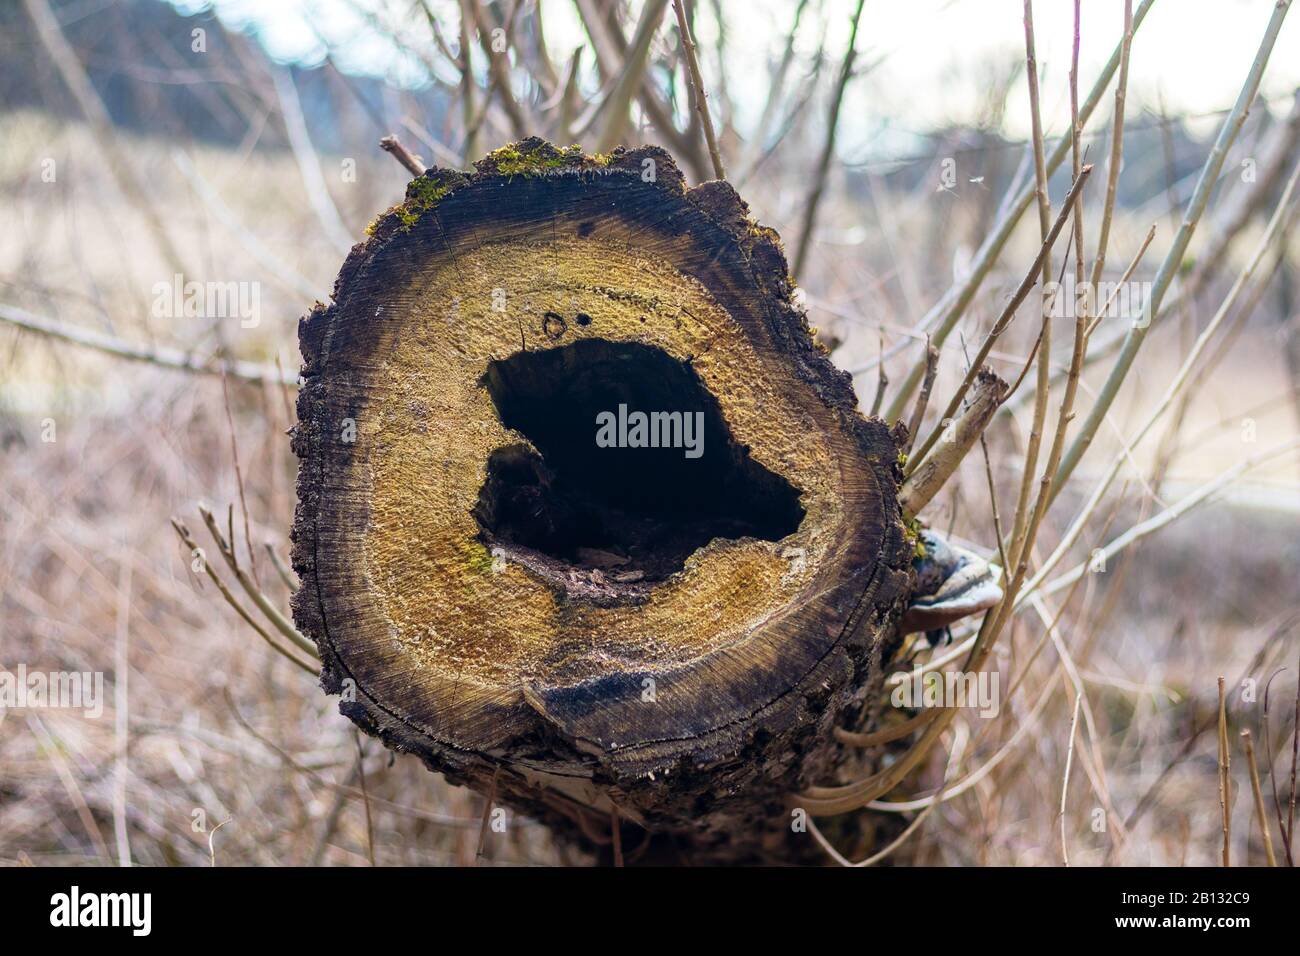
x,y
617,630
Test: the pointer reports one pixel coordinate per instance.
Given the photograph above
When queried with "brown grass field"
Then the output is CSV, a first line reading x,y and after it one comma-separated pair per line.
x,y
213,749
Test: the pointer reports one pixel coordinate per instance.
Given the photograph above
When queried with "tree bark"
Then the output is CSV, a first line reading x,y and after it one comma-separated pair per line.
x,y
600,635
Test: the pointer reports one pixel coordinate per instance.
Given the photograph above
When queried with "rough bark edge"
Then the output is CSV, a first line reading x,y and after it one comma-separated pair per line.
x,y
797,724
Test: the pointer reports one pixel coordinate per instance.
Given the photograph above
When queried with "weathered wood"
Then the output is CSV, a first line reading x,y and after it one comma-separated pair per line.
x,y
959,436
603,631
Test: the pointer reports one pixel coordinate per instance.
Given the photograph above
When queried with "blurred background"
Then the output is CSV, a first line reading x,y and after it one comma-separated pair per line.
x,y
146,145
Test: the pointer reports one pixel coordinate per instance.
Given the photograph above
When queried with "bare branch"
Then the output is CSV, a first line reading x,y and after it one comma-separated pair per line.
x,y
814,199
926,479
1258,796
161,356
616,104
393,146
697,81
1174,259
943,316
188,539
1009,311
923,399
308,162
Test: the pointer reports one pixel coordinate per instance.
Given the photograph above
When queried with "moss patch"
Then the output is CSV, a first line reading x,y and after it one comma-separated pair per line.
x,y
531,157
535,157
424,193
912,529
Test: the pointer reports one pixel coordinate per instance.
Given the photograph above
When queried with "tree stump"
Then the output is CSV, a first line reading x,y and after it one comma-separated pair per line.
x,y
605,621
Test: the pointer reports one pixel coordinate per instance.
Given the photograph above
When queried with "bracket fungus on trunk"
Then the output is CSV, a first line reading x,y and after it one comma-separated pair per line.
x,y
586,518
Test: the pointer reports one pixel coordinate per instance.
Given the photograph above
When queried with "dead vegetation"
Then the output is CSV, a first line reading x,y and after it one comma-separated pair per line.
x,y
1139,495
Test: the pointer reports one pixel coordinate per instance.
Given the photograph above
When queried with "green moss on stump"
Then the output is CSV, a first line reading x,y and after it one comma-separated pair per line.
x,y
531,157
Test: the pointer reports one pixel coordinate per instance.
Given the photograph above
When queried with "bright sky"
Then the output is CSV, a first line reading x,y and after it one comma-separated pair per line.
x,y
938,55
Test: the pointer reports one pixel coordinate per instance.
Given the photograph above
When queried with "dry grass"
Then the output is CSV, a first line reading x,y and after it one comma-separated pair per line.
x,y
221,728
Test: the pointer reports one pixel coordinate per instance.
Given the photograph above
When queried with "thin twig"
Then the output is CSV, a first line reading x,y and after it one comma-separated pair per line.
x,y
184,534
1272,775
1224,779
697,81
239,481
775,92
485,823
1295,749
813,202
288,577
1258,794
499,63
888,735
1173,261
331,824
882,382
954,760
313,181
212,845
1009,311
470,116
1167,516
1036,350
1116,150
1065,777
162,356
365,796
944,314
993,500
617,103
1042,349
393,146
273,614
923,398
1123,280
960,435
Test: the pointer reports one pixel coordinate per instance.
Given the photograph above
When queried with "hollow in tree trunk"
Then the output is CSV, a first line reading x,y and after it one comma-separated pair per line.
x,y
586,518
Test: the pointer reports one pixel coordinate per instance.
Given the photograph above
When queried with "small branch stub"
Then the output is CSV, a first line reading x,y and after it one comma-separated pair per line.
x,y
955,441
413,164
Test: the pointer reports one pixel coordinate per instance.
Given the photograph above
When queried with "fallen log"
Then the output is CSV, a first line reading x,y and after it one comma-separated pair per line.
x,y
586,519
